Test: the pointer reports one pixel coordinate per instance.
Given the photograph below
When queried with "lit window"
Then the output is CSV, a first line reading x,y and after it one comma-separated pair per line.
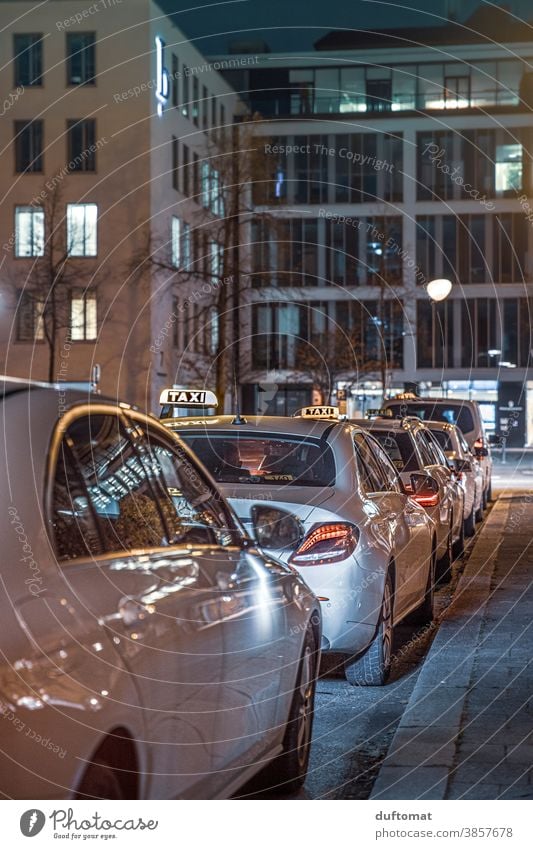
x,y
212,332
215,259
30,325
29,231
205,184
175,238
508,167
186,245
81,229
83,320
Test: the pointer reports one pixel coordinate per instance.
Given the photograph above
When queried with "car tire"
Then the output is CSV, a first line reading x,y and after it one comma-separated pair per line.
x,y
444,565
99,781
424,614
479,513
286,774
459,544
372,669
488,494
470,524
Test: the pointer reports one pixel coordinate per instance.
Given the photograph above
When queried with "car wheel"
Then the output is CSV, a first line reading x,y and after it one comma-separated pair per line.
x,y
373,668
470,524
99,781
444,565
287,772
479,513
459,544
488,494
423,615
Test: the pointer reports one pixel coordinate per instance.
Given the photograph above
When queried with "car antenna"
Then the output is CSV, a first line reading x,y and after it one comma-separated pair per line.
x,y
237,419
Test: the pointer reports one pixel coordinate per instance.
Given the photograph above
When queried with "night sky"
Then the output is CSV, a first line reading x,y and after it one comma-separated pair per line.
x,y
296,24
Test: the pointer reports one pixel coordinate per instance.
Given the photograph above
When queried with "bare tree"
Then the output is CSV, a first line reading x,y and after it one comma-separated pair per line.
x,y
45,288
222,183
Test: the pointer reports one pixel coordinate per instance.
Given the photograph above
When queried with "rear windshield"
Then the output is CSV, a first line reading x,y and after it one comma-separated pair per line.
x,y
444,439
264,458
400,448
452,413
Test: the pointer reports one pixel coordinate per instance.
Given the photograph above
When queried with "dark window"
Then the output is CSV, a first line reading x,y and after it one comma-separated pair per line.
x,y
372,476
29,317
175,163
450,412
378,95
435,338
81,144
81,62
175,80
28,146
382,458
510,248
117,493
400,448
264,458
28,53
195,100
205,108
185,169
186,92
435,152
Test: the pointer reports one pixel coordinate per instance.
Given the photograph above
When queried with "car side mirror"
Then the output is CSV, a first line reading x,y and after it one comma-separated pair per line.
x,y
424,485
463,465
274,528
481,452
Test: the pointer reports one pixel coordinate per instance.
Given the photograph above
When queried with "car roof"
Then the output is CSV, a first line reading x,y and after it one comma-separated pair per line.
x,y
290,425
387,424
417,400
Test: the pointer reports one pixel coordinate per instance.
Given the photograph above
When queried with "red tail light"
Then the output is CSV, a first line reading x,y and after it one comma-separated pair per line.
x,y
326,544
426,500
480,443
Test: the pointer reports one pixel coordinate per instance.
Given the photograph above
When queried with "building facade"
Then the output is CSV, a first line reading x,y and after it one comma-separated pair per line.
x,y
394,164
106,140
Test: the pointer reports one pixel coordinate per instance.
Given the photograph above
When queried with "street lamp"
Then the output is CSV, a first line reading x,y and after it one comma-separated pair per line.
x,y
438,290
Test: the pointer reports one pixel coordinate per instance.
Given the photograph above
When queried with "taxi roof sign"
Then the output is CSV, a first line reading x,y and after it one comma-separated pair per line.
x,y
188,398
318,411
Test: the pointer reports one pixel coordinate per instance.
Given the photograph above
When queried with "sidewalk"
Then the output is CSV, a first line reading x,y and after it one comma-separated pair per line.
x,y
467,732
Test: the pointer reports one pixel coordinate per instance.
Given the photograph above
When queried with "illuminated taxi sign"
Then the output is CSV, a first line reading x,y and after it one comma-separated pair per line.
x,y
386,413
318,412
188,398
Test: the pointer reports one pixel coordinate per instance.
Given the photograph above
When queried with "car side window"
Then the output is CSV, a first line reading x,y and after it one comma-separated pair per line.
x,y
194,511
117,489
427,457
436,450
391,475
73,523
372,476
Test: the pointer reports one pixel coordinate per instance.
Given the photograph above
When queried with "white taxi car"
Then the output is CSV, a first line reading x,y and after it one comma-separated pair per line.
x,y
149,649
328,502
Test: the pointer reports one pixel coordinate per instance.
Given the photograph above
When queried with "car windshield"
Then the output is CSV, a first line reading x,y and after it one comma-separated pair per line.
x,y
261,458
400,448
452,413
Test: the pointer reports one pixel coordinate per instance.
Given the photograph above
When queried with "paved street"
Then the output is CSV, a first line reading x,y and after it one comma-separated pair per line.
x,y
466,732
455,719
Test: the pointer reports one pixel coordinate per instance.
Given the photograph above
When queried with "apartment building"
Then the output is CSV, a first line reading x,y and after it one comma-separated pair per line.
x,y
106,134
398,157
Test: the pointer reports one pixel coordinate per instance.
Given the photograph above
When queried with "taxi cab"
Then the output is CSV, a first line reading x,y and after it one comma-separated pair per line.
x,y
327,501
149,649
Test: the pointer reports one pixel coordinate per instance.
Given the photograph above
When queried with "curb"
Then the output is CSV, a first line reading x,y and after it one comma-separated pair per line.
x,y
422,753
